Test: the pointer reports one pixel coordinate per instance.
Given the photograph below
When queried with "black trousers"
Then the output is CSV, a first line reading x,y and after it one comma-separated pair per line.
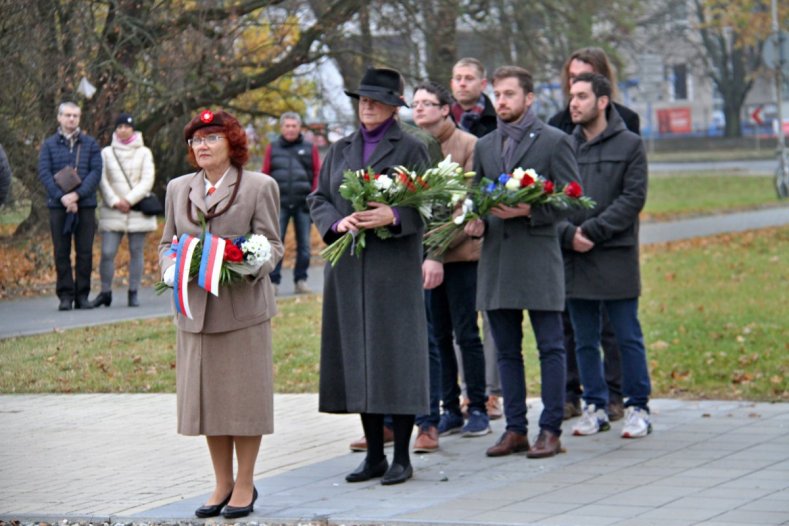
x,y
76,283
612,362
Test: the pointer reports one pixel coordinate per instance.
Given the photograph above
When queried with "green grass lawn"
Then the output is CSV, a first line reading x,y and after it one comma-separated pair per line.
x,y
713,314
678,194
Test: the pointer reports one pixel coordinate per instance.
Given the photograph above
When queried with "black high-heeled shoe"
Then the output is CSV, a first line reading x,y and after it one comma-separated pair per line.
x,y
234,512
212,510
104,298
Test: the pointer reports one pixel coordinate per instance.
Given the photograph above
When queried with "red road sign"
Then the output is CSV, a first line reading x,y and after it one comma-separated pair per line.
x,y
756,115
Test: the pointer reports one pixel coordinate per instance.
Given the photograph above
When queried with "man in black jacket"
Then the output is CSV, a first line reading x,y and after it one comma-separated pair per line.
x,y
473,111
601,250
295,165
592,60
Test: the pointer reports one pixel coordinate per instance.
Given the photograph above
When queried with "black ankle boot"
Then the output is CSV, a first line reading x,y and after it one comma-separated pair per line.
x,y
104,298
133,301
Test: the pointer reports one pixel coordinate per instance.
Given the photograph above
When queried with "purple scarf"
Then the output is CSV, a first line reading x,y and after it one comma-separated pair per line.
x,y
371,138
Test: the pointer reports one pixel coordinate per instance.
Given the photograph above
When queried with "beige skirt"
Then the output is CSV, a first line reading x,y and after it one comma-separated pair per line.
x,y
224,382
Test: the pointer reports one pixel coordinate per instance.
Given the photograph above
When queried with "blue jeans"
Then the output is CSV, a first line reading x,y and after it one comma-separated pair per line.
x,y
301,223
507,328
586,316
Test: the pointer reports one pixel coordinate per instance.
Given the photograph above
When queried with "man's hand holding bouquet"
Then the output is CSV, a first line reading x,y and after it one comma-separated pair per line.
x,y
506,197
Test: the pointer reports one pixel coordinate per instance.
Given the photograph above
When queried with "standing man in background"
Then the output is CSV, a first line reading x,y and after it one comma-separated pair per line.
x,y
601,256
294,163
474,113
72,214
592,60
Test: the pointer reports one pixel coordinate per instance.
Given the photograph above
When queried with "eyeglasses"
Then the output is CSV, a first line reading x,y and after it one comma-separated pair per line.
x,y
425,104
199,141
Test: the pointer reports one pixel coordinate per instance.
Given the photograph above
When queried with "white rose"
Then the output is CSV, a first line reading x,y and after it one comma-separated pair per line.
x,y
517,173
513,184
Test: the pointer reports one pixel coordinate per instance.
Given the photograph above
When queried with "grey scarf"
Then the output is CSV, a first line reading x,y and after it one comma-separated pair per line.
x,y
513,133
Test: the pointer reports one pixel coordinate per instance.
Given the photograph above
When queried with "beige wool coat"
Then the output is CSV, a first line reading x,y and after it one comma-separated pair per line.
x,y
136,160
224,378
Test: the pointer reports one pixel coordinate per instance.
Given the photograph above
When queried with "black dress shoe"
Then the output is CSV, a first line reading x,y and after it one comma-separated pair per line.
x,y
83,303
104,298
234,512
366,472
397,474
133,301
65,304
212,510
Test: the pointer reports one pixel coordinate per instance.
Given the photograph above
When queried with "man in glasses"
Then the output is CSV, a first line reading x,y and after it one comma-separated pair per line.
x,y
450,282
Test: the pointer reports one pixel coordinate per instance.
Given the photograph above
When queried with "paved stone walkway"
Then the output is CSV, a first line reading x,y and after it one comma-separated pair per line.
x,y
117,458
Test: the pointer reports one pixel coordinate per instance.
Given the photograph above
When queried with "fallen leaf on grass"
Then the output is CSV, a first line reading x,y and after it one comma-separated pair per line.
x,y
659,345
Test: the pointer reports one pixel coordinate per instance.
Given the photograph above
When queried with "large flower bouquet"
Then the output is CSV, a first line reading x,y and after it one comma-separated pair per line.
x,y
214,261
436,186
519,187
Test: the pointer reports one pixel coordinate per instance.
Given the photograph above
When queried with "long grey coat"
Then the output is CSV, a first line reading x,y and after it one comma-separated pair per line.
x,y
374,333
613,169
521,263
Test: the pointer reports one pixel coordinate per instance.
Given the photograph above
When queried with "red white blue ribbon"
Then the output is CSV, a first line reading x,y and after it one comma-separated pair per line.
x,y
211,263
183,262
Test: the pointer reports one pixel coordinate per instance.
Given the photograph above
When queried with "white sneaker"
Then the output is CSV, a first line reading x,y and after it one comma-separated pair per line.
x,y
637,423
593,420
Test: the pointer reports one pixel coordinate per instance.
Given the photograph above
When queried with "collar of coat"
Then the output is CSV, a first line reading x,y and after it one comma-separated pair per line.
x,y
197,191
523,147
353,149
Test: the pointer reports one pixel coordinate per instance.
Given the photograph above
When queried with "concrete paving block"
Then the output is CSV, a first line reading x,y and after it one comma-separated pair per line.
x,y
742,516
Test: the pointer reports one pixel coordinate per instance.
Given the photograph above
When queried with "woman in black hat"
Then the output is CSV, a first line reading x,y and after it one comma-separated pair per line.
x,y
374,332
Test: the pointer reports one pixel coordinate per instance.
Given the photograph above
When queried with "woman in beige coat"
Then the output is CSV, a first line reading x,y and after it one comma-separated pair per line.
x,y
223,363
126,178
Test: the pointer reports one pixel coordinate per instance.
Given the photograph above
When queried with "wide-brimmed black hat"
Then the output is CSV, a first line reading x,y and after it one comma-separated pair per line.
x,y
380,84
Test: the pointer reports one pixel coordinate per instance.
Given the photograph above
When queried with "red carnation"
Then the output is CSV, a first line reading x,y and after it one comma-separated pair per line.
x,y
233,254
527,180
548,187
207,116
573,190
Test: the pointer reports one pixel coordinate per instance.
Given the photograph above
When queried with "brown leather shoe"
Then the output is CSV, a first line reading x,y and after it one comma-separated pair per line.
x,y
493,407
361,444
547,445
510,442
616,410
572,408
427,440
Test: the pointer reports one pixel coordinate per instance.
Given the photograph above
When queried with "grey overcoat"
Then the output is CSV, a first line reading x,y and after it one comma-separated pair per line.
x,y
521,263
374,332
613,169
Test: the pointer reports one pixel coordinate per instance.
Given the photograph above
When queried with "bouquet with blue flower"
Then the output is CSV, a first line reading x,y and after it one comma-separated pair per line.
x,y
522,186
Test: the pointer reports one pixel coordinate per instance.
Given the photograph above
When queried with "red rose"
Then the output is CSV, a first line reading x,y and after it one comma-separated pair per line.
x,y
527,180
233,254
573,190
367,177
548,187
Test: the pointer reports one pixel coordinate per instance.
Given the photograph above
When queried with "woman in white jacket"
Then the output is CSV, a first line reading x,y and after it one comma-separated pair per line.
x,y
127,177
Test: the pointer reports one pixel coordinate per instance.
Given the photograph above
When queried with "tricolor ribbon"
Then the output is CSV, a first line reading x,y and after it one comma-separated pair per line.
x,y
211,263
183,262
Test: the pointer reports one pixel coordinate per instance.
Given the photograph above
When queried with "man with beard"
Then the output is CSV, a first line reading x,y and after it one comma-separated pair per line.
x,y
521,263
601,255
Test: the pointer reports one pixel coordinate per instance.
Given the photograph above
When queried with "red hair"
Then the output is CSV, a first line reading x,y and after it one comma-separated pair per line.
x,y
236,139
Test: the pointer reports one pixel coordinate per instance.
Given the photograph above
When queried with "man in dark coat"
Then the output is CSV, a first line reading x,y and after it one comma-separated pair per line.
x,y
601,255
592,60
521,263
472,110
294,163
474,113
72,214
